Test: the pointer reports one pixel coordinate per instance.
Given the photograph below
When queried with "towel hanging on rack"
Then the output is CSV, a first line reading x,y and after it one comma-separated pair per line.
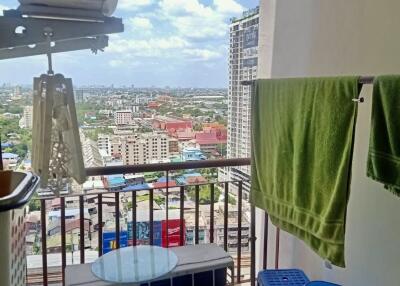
x,y
384,146
302,143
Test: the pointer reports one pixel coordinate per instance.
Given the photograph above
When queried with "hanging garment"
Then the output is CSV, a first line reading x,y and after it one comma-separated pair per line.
x,y
383,163
302,145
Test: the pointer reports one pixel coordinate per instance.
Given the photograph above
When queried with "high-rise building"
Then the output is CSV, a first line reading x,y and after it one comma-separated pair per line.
x,y
243,61
27,118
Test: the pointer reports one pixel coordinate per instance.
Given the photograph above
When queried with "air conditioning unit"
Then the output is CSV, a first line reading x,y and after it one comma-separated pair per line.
x,y
105,7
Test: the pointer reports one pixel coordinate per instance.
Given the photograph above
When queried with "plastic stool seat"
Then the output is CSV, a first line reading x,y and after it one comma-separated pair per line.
x,y
282,277
321,283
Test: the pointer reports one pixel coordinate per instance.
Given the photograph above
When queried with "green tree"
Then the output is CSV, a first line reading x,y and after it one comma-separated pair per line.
x,y
204,194
34,204
198,127
231,200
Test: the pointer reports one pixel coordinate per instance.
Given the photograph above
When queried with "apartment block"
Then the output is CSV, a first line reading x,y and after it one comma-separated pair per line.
x,y
27,118
123,117
140,148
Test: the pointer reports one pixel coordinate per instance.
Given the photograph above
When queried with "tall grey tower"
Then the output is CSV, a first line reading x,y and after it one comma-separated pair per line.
x,y
243,60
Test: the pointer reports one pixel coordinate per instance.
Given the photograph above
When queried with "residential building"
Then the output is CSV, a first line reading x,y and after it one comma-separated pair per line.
x,y
27,119
91,153
243,62
10,161
211,141
140,148
173,146
192,154
123,117
232,230
104,143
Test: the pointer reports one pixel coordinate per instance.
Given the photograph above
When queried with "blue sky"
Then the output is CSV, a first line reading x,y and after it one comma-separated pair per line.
x,y
177,43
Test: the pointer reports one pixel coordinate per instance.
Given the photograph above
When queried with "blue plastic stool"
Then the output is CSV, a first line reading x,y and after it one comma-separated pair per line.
x,y
321,283
282,277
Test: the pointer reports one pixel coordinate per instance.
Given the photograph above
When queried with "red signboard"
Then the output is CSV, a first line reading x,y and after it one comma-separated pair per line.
x,y
174,232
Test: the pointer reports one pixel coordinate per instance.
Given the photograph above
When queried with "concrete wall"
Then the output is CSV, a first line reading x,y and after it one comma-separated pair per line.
x,y
336,37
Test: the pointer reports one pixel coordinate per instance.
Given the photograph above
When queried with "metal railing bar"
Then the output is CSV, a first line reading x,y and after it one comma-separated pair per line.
x,y
253,246
181,216
265,253
134,219
151,213
117,222
212,194
144,189
197,214
166,210
239,243
81,230
63,247
226,194
44,242
162,167
100,223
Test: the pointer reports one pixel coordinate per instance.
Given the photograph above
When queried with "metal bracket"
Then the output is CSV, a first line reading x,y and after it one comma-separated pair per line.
x,y
94,44
24,34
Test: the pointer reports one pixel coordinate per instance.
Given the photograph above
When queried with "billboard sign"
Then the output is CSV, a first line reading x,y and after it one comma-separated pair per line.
x,y
249,63
250,37
110,242
143,233
174,231
159,233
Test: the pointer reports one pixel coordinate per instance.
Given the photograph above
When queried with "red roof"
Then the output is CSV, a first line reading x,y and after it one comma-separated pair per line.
x,y
56,202
209,138
196,180
161,185
75,223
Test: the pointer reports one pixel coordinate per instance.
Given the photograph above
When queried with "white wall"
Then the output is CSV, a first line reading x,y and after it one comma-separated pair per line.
x,y
333,37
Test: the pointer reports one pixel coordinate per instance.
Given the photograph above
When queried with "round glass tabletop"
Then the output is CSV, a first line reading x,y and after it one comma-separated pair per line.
x,y
135,264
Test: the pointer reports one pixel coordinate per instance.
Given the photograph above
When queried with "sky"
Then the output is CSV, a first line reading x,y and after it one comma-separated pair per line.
x,y
175,43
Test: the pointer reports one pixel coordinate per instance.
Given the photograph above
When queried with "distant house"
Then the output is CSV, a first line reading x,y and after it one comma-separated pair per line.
x,y
10,161
193,154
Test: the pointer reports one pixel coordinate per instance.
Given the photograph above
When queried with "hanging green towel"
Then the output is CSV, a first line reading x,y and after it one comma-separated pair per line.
x,y
302,143
384,145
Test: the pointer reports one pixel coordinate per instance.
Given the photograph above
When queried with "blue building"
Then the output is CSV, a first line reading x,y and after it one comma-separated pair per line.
x,y
192,154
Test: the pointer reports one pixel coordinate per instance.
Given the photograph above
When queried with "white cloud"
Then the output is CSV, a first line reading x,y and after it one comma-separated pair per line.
x,y
133,5
193,19
182,30
202,54
154,47
200,28
141,23
228,7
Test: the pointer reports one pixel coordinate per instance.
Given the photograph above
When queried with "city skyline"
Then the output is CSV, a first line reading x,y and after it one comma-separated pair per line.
x,y
171,43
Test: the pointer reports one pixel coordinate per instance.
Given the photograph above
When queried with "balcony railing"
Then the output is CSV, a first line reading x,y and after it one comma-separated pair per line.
x,y
242,262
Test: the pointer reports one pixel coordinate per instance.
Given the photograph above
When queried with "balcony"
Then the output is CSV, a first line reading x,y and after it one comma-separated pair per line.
x,y
97,212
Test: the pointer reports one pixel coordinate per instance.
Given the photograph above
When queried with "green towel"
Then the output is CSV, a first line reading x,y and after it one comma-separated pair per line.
x,y
384,146
302,145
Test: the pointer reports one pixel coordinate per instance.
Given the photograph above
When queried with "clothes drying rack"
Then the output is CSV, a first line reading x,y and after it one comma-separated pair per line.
x,y
33,30
362,80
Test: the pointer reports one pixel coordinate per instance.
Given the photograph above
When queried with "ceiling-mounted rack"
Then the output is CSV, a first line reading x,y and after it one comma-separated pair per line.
x,y
25,31
39,27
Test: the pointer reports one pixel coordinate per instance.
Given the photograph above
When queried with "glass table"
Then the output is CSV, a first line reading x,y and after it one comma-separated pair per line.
x,y
135,264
